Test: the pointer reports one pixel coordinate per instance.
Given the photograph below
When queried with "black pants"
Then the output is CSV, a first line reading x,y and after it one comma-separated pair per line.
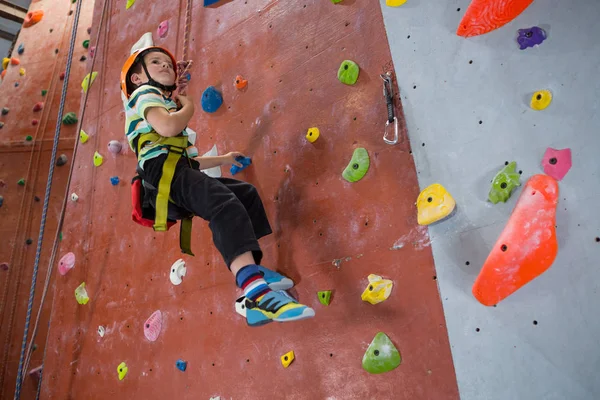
x,y
233,208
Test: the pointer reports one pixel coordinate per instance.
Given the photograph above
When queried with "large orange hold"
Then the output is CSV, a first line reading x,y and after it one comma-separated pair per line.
x,y
32,18
526,247
484,16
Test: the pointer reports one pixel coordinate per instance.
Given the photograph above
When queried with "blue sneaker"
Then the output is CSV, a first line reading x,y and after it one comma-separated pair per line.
x,y
275,306
275,280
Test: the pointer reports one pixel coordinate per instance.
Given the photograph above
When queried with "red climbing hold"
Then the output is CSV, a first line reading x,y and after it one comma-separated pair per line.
x,y
34,122
4,266
526,247
38,107
62,76
484,16
557,163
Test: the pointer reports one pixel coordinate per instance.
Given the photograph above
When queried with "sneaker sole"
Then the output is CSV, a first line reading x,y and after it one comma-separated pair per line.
x,y
284,284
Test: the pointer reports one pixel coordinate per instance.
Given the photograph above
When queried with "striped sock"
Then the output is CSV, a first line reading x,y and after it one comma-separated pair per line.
x,y
251,281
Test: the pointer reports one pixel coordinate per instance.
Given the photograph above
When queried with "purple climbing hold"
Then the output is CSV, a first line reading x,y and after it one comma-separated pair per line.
x,y
4,266
531,37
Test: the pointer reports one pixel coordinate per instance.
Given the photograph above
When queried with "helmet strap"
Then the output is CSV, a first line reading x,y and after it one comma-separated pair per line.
x,y
152,82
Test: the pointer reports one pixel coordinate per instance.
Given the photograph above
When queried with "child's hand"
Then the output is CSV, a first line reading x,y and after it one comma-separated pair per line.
x,y
185,101
230,158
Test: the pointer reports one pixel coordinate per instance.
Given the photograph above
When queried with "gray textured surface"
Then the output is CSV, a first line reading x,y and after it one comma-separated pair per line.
x,y
510,358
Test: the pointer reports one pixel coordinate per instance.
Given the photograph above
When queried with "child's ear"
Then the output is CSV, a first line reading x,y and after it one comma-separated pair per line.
x,y
135,79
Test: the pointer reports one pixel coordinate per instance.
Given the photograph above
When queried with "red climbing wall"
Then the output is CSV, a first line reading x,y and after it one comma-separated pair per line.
x,y
20,214
329,234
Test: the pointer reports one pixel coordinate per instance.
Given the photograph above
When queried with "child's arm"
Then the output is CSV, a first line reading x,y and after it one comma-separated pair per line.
x,y
171,124
217,161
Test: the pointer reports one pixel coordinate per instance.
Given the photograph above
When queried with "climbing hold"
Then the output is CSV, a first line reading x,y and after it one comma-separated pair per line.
x,y
122,368
34,122
211,100
98,159
378,290
313,134
129,4
324,297
245,161
394,3
28,241
526,247
433,204
541,99
4,266
21,49
70,119
381,355
188,77
62,76
81,294
1,201
557,163
2,183
83,137
484,16
5,62
89,30
177,273
504,183
36,198
114,146
92,51
153,325
28,138
358,165
240,82
1,124
21,182
22,71
181,365
163,29
86,43
531,37
5,110
15,61
88,80
3,74
114,180
101,331
66,263
62,160
336,1
348,72
82,58
210,2
16,84
44,92
74,197
38,106
287,359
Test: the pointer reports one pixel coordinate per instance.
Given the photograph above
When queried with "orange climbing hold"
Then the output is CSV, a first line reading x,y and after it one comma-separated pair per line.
x,y
15,61
484,16
240,82
526,247
32,18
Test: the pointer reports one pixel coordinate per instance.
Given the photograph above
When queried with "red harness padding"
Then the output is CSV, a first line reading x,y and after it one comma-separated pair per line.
x,y
141,212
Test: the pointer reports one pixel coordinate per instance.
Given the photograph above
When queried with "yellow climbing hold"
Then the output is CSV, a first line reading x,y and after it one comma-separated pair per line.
x,y
379,289
83,137
433,204
98,159
129,4
81,294
312,135
394,3
87,81
541,99
5,62
122,370
22,71
287,359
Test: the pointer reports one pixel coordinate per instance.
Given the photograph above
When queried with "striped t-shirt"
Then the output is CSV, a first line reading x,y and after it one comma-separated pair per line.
x,y
142,99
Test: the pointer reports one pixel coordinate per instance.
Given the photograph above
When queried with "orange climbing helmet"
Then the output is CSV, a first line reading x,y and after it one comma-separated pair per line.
x,y
138,57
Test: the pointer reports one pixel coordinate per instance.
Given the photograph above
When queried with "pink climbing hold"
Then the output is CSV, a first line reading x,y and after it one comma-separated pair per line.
x,y
66,263
153,325
38,107
557,163
163,29
92,51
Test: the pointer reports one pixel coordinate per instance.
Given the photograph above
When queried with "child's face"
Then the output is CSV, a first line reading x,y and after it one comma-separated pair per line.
x,y
160,68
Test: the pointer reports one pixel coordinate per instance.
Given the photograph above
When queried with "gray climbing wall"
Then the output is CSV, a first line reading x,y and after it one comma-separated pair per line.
x,y
542,342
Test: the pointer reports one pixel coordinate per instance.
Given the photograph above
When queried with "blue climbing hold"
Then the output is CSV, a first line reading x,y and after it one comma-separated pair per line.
x,y
16,84
210,2
21,49
211,100
114,180
181,365
188,76
245,161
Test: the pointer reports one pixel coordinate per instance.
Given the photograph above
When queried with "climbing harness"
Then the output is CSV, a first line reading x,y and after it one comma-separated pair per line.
x,y
388,93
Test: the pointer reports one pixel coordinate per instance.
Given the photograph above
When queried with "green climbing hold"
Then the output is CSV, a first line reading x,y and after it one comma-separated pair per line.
x,y
70,119
44,92
86,43
504,183
60,236
29,138
336,1
381,356
348,72
325,297
21,182
358,166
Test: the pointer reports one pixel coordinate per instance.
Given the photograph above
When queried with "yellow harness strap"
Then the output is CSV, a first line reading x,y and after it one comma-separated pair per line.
x,y
177,146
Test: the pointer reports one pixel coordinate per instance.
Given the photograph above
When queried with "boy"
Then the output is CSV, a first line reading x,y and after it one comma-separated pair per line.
x,y
233,208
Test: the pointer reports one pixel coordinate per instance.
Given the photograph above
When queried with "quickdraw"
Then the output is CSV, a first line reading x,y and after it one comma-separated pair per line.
x,y
388,93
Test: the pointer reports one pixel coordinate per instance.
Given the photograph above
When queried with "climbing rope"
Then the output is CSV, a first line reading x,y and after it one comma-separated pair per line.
x,y
46,201
184,66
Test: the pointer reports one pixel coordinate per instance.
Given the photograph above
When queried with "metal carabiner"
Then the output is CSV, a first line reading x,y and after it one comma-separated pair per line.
x,y
388,93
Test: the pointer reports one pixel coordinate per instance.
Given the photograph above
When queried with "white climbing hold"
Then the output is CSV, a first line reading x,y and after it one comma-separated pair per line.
x,y
74,197
178,271
101,331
